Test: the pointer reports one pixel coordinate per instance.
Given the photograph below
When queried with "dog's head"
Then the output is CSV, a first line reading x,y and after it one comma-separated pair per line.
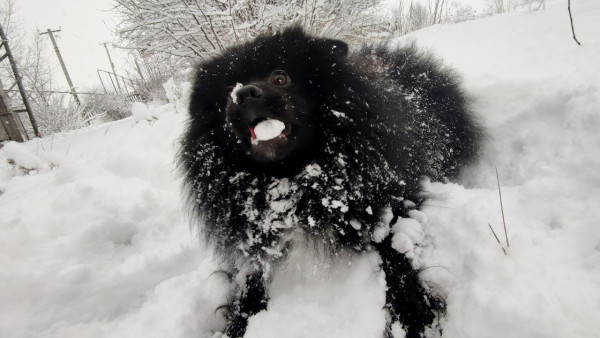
x,y
270,116
266,96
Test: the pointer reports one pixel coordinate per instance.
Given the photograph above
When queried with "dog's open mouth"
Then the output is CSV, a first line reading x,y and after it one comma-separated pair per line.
x,y
268,130
268,135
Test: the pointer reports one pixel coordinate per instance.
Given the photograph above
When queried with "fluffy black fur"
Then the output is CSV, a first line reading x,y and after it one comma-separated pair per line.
x,y
361,131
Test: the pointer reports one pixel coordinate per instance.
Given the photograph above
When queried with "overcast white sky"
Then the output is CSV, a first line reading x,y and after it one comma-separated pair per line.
x,y
85,25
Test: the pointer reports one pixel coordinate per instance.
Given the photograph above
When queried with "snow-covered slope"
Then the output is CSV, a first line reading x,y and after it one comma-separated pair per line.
x,y
94,243
538,94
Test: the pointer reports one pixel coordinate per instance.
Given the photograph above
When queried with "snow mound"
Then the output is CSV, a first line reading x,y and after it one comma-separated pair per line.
x,y
347,301
21,156
140,112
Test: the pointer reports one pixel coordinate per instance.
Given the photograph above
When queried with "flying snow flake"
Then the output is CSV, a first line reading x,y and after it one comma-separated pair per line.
x,y
339,114
355,224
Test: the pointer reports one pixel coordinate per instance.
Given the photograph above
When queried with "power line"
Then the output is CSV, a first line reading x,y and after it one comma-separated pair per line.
x,y
55,92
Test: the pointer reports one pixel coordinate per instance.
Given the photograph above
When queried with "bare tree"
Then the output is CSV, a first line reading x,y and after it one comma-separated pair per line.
x,y
52,112
11,22
411,15
437,10
399,20
194,29
497,6
418,16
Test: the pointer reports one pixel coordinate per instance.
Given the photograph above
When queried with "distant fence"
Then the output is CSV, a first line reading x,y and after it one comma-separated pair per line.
x,y
11,127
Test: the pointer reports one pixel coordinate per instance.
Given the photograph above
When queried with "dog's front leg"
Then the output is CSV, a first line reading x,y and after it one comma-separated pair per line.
x,y
249,299
407,300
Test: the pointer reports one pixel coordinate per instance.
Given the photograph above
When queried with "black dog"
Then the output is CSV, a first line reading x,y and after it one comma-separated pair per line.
x,y
291,139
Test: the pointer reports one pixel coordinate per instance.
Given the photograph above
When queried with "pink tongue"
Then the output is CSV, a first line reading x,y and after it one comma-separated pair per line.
x,y
252,134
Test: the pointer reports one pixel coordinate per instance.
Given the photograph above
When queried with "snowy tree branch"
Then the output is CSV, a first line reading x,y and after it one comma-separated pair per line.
x,y
200,29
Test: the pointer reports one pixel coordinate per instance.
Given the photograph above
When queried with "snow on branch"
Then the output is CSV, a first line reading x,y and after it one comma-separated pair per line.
x,y
202,28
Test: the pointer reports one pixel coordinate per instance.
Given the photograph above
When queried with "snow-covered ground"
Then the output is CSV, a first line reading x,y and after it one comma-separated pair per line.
x,y
94,242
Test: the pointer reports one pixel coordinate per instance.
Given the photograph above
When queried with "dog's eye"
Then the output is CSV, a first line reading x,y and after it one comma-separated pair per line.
x,y
279,78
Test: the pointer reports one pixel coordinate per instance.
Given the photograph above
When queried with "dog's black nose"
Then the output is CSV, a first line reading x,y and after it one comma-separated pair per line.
x,y
248,92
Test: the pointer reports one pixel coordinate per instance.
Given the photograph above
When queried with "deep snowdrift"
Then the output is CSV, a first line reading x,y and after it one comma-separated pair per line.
x,y
94,243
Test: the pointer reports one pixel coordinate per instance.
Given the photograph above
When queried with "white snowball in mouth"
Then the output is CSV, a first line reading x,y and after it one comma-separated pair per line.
x,y
268,129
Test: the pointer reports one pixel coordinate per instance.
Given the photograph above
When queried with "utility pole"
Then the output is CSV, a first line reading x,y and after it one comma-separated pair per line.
x,y
19,81
137,65
112,65
62,63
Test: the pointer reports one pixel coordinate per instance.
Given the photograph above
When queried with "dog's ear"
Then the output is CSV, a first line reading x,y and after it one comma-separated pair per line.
x,y
336,49
331,48
327,49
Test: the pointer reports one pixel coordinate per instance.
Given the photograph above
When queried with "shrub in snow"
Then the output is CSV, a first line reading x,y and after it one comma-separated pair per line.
x,y
152,74
177,94
112,106
54,116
